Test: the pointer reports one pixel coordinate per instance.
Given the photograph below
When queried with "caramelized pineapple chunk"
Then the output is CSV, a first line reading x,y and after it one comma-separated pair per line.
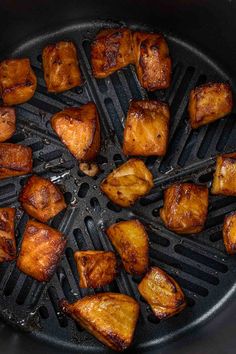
x,y
110,317
127,183
131,242
95,268
15,160
110,51
61,67
7,123
146,128
7,234
229,233
224,181
41,250
79,130
185,208
152,60
208,103
41,199
162,292
17,81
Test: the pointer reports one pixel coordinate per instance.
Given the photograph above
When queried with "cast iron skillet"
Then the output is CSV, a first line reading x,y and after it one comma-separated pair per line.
x,y
202,47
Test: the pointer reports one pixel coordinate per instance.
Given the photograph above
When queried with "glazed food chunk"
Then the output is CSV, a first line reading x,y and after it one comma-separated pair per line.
x,y
127,183
41,198
146,128
229,233
41,250
131,242
110,317
7,123
224,181
208,103
111,50
17,81
7,234
95,268
152,60
15,160
61,67
185,208
79,130
162,292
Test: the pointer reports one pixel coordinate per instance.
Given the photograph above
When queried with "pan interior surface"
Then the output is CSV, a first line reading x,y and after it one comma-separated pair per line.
x,y
199,263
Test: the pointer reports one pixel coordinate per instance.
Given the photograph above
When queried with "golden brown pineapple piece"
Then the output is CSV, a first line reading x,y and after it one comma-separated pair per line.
x,y
41,250
41,198
152,60
229,233
79,130
224,181
7,123
110,51
185,208
17,81
131,242
209,102
162,292
95,268
61,67
110,317
146,128
15,160
127,183
7,234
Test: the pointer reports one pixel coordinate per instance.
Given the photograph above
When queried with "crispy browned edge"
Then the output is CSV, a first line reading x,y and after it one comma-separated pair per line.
x,y
95,136
83,280
230,247
24,201
131,270
50,271
112,340
180,306
192,102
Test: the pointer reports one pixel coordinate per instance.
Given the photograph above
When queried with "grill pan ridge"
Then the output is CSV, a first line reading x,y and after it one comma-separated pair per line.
x,y
198,263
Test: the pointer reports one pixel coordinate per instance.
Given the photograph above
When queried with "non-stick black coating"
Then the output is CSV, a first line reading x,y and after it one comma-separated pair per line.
x,y
209,26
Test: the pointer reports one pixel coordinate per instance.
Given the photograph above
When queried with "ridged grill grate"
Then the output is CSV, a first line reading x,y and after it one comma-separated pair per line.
x,y
198,263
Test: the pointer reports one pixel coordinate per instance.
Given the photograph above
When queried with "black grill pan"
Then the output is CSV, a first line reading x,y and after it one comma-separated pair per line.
x,y
199,263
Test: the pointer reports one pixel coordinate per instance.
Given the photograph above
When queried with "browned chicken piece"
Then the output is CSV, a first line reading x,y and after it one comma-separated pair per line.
x,y
7,234
17,81
229,233
162,292
110,51
41,198
110,317
15,160
185,208
208,103
79,130
224,181
131,242
146,128
95,268
61,67
127,183
7,123
152,60
41,250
